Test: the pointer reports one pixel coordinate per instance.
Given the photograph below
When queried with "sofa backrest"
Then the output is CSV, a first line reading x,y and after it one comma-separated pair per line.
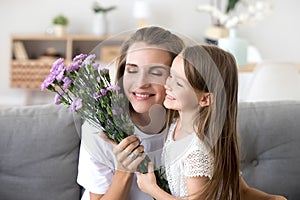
x,y
270,141
39,148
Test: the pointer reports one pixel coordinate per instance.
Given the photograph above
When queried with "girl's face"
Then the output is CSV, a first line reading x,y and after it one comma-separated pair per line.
x,y
146,71
180,95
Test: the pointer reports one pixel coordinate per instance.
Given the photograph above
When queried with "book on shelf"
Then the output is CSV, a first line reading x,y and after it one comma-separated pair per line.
x,y
19,51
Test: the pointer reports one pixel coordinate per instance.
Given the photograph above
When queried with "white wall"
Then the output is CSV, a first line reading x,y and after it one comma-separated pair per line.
x,y
277,37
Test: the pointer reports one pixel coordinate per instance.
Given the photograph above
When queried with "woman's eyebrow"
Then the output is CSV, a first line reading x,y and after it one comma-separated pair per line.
x,y
131,64
167,68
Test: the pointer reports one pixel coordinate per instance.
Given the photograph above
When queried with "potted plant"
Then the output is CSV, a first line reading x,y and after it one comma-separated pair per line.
x,y
60,23
234,13
100,21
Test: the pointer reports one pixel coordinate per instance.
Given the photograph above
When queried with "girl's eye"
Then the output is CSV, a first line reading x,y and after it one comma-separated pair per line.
x,y
179,84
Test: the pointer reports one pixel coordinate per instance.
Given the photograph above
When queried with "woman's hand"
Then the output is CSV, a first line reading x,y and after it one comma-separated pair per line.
x,y
147,182
129,153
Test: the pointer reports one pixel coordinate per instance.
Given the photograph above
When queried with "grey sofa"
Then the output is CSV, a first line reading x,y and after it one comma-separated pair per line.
x,y
39,150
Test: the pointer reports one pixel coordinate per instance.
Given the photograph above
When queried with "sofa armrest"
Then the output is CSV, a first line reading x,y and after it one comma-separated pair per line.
x,y
270,140
39,148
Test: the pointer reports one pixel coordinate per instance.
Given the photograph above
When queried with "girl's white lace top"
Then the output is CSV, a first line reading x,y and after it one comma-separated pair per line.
x,y
187,157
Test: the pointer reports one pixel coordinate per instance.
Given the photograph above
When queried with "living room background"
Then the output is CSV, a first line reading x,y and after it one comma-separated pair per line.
x,y
276,36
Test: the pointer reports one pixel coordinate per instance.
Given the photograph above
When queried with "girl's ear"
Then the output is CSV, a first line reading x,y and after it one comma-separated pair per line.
x,y
205,100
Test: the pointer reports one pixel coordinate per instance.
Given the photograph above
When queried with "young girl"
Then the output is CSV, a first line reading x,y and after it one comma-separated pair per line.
x,y
201,150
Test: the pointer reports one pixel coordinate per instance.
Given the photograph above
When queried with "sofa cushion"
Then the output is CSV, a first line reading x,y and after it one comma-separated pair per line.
x,y
270,140
39,153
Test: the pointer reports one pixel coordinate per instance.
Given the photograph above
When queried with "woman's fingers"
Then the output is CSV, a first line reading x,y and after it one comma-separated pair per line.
x,y
128,141
122,153
134,158
129,153
105,138
132,166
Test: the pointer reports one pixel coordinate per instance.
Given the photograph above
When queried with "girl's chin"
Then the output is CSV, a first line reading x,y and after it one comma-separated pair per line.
x,y
168,104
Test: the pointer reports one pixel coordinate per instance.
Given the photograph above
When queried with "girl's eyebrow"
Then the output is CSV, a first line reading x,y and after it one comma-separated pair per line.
x,y
178,77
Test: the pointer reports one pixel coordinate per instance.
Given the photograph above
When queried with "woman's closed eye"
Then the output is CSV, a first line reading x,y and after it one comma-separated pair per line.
x,y
159,71
131,68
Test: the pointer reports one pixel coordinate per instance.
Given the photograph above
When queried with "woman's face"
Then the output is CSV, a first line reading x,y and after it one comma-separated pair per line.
x,y
147,68
180,95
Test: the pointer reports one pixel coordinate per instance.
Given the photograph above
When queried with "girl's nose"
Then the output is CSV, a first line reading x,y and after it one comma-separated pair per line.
x,y
167,85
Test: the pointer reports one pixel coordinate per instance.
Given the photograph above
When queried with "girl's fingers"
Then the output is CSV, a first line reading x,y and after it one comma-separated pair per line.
x,y
150,167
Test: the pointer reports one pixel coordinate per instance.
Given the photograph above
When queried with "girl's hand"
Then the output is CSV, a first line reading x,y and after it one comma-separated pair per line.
x,y
276,197
147,182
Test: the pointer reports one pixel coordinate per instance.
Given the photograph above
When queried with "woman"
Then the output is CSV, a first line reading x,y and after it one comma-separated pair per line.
x,y
142,70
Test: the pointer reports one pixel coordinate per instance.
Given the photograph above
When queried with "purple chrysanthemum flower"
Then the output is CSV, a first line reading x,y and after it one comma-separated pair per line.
x,y
73,67
76,104
117,111
57,65
103,92
96,95
114,111
57,98
79,57
60,76
113,88
48,81
121,111
96,65
67,82
98,78
105,70
89,60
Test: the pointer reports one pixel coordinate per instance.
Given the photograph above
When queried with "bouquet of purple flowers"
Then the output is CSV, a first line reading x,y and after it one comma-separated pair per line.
x,y
88,91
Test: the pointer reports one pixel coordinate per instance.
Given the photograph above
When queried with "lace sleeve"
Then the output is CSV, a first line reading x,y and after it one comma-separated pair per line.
x,y
197,163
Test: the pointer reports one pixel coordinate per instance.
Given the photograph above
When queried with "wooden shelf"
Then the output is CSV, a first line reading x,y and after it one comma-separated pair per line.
x,y
249,68
30,60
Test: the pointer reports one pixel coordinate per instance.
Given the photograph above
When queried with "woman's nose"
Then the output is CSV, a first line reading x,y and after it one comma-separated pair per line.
x,y
142,80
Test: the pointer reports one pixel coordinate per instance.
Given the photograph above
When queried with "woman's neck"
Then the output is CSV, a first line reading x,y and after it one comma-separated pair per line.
x,y
151,122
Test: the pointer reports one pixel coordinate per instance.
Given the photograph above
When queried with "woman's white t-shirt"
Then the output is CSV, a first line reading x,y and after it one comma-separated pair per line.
x,y
187,157
97,163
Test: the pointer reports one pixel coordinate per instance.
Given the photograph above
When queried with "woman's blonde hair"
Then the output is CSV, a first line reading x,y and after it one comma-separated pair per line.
x,y
154,36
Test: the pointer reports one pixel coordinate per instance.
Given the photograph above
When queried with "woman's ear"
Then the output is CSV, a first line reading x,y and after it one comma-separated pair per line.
x,y
205,100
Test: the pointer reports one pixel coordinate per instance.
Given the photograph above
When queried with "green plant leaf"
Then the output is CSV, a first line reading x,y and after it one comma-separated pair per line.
x,y
231,4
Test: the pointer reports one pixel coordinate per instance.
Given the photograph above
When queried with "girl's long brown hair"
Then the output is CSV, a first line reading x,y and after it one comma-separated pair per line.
x,y
212,70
